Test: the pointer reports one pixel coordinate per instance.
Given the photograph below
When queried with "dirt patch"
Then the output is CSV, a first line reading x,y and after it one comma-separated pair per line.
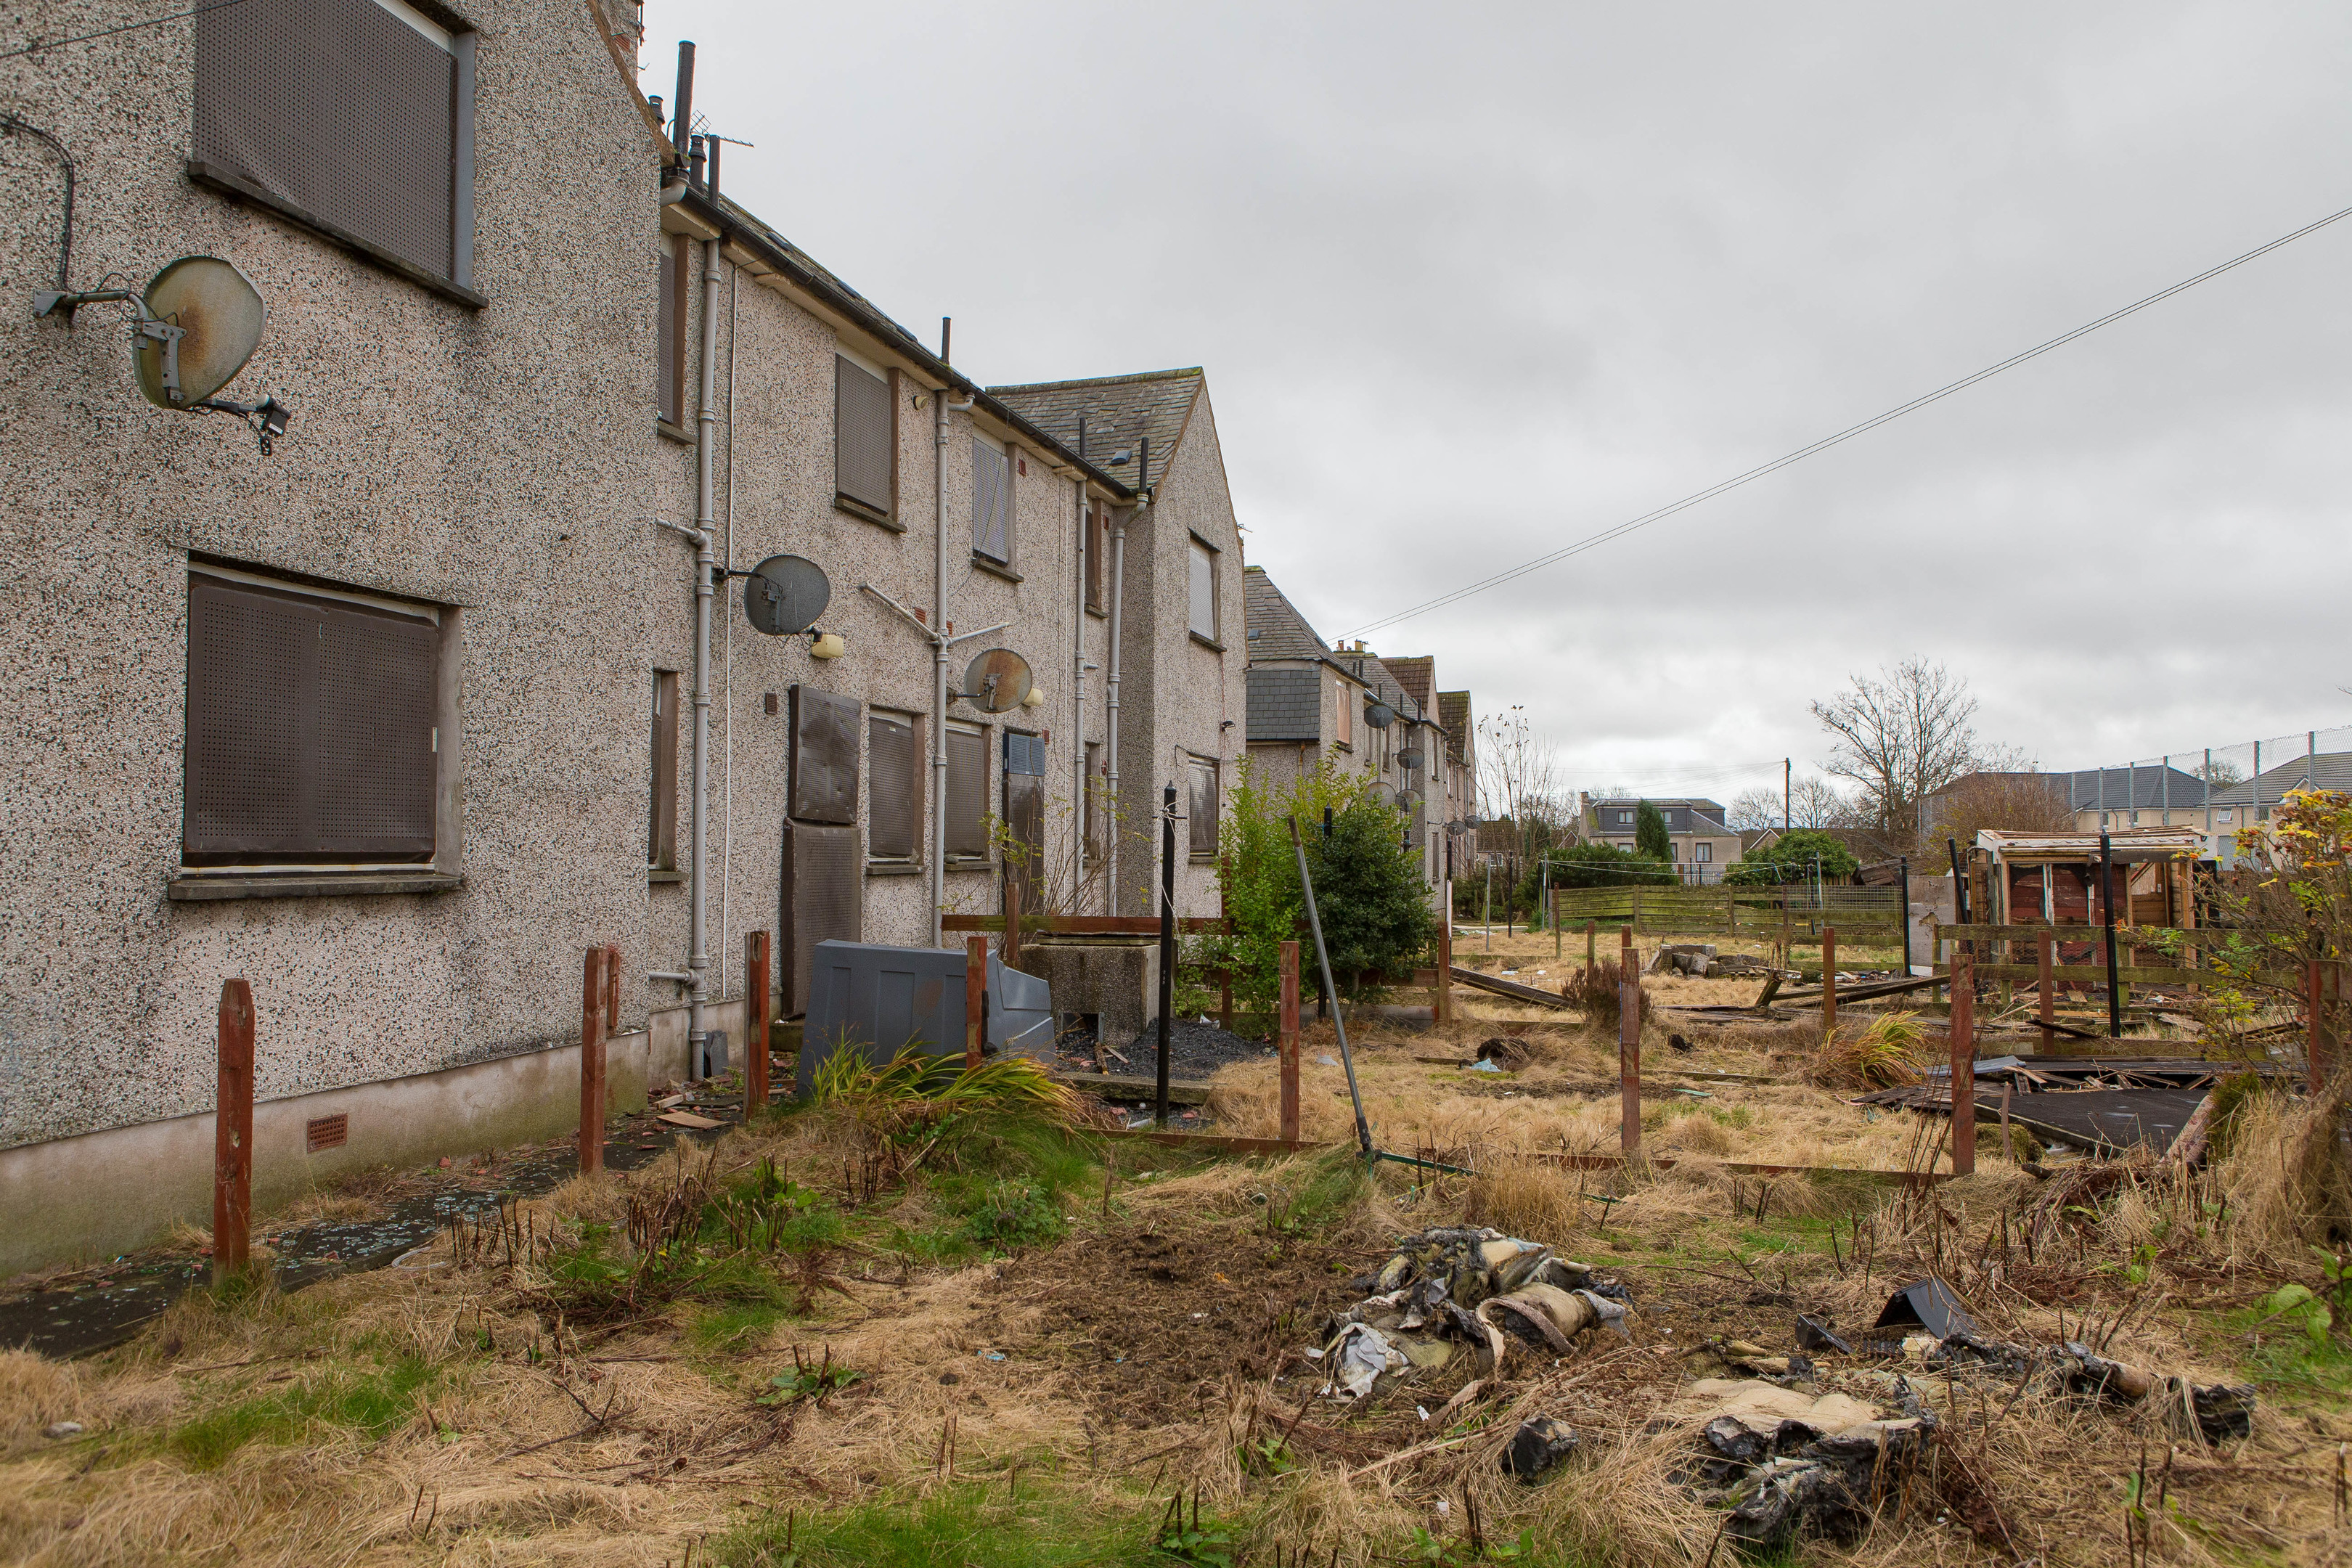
x,y
1195,1050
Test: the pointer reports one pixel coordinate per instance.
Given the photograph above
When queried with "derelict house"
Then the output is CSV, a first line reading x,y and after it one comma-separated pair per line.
x,y
399,719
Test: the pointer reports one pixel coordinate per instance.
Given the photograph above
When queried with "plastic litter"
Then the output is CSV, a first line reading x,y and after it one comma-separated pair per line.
x,y
1362,1356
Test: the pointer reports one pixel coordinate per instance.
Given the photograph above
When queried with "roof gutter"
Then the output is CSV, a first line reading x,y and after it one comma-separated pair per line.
x,y
761,241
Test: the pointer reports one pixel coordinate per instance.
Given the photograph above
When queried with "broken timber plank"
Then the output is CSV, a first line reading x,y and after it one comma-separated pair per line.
x,y
1511,988
1868,989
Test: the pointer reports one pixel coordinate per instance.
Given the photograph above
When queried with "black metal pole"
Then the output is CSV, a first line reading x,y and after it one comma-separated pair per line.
x,y
1166,944
2107,904
1903,871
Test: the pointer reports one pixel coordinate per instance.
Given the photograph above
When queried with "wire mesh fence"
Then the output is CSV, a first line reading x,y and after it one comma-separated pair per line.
x,y
2219,791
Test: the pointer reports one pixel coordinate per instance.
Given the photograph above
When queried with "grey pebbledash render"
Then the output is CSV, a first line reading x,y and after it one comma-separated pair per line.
x,y
399,719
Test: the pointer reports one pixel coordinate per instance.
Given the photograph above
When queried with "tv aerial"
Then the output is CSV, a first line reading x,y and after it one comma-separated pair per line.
x,y
192,328
997,680
784,594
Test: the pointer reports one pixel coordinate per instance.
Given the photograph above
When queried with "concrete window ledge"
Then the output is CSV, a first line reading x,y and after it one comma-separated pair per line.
x,y
659,877
995,568
893,867
278,885
1212,643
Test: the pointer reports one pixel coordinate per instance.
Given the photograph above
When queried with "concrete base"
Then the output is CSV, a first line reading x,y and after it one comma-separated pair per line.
x,y
80,1199
1114,978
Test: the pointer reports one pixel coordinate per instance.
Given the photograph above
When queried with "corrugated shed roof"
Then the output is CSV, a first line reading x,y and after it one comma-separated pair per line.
x,y
1119,412
1277,629
1454,714
1286,704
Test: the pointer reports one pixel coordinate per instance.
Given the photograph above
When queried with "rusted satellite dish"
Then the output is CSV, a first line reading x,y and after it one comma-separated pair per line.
x,y
997,680
784,594
211,317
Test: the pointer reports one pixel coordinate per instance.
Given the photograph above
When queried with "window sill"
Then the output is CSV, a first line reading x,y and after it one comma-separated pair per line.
x,y
677,433
894,868
995,568
1212,643
280,885
863,513
1198,858
1098,612
969,863
652,877
238,188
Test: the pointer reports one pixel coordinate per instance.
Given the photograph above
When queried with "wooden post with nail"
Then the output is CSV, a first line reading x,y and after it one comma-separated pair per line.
x,y
1288,1040
591,1063
2319,989
1964,1065
1629,1049
975,997
755,1022
1828,982
2048,962
1444,998
612,989
233,1134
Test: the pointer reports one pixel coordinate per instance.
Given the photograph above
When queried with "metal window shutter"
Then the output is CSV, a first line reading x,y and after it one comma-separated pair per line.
x,y
1203,808
339,108
817,900
967,794
665,356
253,676
862,413
823,757
375,744
989,533
892,817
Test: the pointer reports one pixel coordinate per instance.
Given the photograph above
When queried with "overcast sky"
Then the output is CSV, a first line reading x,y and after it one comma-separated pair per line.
x,y
1471,283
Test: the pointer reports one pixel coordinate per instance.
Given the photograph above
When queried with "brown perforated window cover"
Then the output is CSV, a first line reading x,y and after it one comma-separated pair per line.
x,y
1094,542
669,331
823,759
1201,772
311,729
817,901
862,411
894,812
339,108
992,502
967,793
661,842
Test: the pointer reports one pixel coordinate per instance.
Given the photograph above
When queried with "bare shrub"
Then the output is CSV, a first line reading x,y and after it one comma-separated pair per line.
x,y
1594,992
1880,1055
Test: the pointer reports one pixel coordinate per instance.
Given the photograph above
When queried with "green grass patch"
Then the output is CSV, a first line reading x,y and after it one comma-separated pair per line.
x,y
971,1526
371,1403
722,1327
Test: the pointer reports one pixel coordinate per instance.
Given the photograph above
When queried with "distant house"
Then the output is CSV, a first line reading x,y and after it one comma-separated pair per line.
x,y
1703,846
2253,800
2083,801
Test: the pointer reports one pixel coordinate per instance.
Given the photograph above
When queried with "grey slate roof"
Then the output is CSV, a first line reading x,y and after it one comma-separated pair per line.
x,y
2329,770
1368,668
1286,704
1118,411
1277,629
2118,789
1695,814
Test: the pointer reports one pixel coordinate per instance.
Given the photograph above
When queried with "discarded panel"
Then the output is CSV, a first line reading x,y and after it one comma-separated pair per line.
x,y
824,758
878,1000
819,900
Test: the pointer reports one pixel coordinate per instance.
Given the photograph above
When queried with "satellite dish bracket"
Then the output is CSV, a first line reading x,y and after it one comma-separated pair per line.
x,y
267,419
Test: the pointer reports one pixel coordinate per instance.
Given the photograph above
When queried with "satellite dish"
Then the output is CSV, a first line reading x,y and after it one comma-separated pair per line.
x,y
1411,757
1379,715
997,680
204,320
784,594
1382,795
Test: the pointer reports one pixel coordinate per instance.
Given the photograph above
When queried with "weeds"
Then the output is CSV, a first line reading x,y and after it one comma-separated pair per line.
x,y
1882,1055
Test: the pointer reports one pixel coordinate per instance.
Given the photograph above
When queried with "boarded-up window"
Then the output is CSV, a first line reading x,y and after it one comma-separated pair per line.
x,y
894,762
865,438
967,793
1024,810
824,756
1204,591
669,332
1095,809
819,900
1344,728
991,502
310,728
353,117
1094,541
661,846
1201,775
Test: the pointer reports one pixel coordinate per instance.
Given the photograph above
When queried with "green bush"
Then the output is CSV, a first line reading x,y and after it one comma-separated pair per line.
x,y
1790,859
1596,865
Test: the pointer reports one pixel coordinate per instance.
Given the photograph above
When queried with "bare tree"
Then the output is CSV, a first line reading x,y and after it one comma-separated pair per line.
x,y
1810,802
1900,738
2008,799
1520,778
2221,772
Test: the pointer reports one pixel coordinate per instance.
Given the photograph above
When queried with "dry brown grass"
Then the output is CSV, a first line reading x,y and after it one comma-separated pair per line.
x,y
2286,1175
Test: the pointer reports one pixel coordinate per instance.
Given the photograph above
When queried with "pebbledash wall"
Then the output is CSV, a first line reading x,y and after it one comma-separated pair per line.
x,y
444,452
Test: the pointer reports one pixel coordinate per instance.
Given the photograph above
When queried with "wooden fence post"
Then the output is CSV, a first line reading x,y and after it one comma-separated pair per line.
x,y
591,1063
1591,944
2047,959
2319,988
1553,914
1288,1040
1629,1050
755,1023
1445,1001
975,997
1964,1065
233,1135
1829,981
612,989
1636,924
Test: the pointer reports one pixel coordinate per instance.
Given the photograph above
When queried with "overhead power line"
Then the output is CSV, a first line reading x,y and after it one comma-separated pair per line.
x,y
36,46
1826,442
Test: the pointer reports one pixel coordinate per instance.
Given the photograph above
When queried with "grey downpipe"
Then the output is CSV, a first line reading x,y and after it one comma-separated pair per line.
x,y
1078,686
1110,739
940,661
698,958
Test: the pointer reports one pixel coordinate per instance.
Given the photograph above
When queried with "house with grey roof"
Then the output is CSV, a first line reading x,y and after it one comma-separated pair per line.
x,y
2251,801
1704,848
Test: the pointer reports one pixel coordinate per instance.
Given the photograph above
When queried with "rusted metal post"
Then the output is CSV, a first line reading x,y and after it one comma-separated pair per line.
x,y
2319,989
2047,960
1829,981
1445,999
1288,1041
233,1134
591,1063
755,1022
1629,1050
1964,1065
2007,1144
612,989
975,997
